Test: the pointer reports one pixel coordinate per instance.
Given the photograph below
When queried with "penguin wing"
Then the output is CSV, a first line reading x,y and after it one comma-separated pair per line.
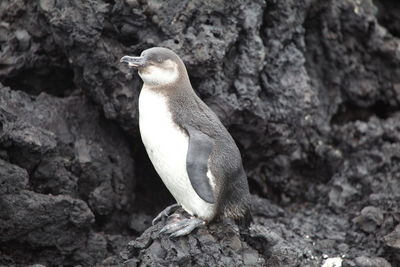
x,y
200,147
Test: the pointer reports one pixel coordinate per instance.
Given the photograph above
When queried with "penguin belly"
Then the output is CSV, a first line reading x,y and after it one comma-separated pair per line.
x,y
167,146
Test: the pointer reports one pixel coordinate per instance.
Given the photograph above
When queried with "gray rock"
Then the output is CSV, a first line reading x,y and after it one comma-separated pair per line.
x,y
42,219
363,261
47,190
218,245
140,222
370,219
308,89
12,178
392,240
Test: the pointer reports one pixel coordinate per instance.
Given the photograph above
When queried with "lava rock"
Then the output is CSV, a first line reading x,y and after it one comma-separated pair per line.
x,y
12,178
363,261
218,245
42,219
392,240
308,89
60,169
370,219
140,222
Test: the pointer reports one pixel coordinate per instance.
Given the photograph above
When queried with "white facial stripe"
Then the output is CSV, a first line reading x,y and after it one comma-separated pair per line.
x,y
155,75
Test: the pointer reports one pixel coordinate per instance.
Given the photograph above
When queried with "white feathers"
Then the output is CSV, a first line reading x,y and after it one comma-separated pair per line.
x,y
167,146
211,178
165,73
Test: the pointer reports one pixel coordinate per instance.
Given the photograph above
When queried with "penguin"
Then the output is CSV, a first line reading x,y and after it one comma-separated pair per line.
x,y
189,147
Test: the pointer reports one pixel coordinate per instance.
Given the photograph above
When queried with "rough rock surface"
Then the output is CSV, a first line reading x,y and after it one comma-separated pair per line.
x,y
310,90
66,179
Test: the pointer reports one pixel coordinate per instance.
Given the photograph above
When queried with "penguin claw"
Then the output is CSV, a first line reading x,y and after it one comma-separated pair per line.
x,y
172,227
165,213
182,227
185,231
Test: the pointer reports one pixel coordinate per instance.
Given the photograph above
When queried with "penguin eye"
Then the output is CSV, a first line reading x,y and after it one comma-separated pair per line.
x,y
159,60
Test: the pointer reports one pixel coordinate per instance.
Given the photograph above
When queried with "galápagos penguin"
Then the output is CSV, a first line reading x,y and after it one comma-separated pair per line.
x,y
191,150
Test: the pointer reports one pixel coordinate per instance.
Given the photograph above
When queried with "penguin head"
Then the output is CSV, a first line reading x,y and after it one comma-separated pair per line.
x,y
157,66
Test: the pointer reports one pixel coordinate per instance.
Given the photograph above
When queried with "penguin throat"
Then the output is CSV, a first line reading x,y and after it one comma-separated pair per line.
x,y
159,75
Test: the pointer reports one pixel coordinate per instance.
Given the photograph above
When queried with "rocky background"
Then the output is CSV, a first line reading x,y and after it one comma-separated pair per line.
x,y
309,89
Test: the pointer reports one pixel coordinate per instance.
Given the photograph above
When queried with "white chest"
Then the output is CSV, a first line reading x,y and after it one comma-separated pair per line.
x,y
167,146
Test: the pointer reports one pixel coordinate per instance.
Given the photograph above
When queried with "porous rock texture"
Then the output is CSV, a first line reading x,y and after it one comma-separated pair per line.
x,y
309,89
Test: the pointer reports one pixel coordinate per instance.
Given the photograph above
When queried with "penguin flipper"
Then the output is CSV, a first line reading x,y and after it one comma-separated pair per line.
x,y
200,148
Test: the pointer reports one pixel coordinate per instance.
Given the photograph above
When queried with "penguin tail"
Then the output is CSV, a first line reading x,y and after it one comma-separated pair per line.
x,y
245,221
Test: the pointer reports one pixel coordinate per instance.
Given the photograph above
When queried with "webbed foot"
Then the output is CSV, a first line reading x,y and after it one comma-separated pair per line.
x,y
182,227
166,212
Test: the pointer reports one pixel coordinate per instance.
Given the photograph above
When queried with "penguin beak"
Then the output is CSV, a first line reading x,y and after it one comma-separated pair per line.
x,y
135,62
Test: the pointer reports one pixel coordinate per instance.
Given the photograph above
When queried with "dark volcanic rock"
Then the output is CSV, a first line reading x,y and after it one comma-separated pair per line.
x,y
363,261
27,211
370,219
12,178
310,90
392,241
78,165
219,244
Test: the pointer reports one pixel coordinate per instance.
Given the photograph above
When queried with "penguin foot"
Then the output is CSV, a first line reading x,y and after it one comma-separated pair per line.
x,y
166,212
182,227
